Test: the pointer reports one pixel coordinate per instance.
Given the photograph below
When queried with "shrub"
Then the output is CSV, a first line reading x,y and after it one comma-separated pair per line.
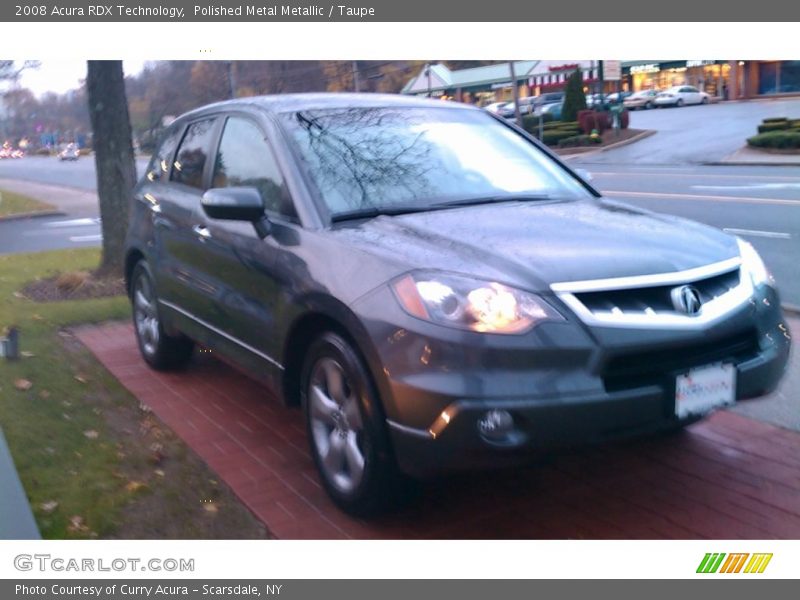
x,y
562,125
578,140
774,119
574,98
776,139
591,119
530,123
773,126
42,152
552,138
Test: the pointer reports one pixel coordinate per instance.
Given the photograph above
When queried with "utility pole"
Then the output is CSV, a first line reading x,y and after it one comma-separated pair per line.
x,y
356,86
231,79
428,75
517,115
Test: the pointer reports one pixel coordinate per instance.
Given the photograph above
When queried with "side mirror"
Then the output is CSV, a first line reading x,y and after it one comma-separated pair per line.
x,y
237,204
583,174
233,204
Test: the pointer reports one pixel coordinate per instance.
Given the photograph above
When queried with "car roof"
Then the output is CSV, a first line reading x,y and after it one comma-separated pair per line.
x,y
319,101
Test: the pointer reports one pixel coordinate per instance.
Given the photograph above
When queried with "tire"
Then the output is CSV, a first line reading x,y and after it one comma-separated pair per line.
x,y
161,351
679,103
704,101
648,106
346,429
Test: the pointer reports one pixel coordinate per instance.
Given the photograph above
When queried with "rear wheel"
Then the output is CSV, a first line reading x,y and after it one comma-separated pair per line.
x,y
346,429
159,350
704,101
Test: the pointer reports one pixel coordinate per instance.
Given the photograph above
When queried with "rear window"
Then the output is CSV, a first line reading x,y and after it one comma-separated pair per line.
x,y
190,162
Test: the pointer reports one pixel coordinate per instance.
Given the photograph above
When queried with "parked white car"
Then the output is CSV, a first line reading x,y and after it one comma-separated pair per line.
x,y
643,99
680,95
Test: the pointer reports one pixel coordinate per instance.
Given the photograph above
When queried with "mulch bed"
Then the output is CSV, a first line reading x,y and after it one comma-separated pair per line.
x,y
73,286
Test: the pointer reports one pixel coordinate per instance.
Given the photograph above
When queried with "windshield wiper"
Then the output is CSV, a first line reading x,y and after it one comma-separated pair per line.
x,y
491,200
369,212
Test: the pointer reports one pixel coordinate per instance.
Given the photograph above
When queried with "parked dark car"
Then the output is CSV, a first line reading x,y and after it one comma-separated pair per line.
x,y
434,287
531,104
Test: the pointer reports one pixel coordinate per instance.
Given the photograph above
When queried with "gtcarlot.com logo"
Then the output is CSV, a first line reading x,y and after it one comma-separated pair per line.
x,y
738,562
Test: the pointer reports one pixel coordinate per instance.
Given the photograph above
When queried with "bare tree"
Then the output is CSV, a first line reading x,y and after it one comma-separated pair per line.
x,y
116,169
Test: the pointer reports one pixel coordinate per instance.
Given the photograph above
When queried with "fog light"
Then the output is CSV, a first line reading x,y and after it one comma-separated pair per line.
x,y
496,425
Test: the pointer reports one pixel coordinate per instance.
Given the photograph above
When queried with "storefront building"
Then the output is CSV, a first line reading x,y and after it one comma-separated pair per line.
x,y
478,85
724,79
488,84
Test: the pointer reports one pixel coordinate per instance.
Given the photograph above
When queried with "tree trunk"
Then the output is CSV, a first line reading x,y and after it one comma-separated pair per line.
x,y
113,151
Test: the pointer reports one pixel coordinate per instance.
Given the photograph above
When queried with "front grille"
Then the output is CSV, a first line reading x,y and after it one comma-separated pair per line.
x,y
655,299
638,369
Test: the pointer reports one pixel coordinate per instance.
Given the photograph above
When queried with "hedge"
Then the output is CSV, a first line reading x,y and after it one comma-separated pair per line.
x,y
776,139
773,126
530,123
774,119
552,138
578,140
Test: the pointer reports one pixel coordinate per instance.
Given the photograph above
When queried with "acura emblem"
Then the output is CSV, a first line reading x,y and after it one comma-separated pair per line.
x,y
686,299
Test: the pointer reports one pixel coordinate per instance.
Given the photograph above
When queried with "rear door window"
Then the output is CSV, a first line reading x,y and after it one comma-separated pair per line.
x,y
192,156
158,169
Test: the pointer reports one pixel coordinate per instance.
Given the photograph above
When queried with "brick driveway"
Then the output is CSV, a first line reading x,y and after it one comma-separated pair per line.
x,y
727,477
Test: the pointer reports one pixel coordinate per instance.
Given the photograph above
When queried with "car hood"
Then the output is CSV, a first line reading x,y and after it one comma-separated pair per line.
x,y
535,244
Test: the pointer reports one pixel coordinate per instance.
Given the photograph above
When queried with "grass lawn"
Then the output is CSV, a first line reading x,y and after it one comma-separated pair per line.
x,y
16,204
92,461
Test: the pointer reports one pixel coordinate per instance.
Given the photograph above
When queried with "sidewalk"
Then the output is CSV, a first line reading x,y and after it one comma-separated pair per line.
x,y
727,477
747,156
67,200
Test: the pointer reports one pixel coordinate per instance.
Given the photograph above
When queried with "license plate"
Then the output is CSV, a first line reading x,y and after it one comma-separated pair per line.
x,y
703,389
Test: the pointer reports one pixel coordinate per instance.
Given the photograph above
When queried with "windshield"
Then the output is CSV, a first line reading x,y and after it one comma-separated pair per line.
x,y
376,158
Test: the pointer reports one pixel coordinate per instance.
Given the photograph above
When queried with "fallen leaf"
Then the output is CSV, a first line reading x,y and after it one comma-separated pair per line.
x,y
210,507
23,385
48,506
26,354
159,472
76,525
91,434
134,486
66,417
44,394
18,295
37,317
80,378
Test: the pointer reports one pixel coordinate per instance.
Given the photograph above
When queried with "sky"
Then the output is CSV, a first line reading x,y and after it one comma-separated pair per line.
x,y
63,75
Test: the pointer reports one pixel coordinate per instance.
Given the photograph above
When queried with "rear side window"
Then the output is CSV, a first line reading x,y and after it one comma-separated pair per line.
x,y
158,170
245,159
193,154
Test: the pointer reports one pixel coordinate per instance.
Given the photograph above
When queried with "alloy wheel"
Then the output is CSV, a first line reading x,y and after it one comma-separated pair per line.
x,y
146,315
336,425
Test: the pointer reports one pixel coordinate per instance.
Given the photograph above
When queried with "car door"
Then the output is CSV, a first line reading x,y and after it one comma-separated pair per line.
x,y
180,245
239,265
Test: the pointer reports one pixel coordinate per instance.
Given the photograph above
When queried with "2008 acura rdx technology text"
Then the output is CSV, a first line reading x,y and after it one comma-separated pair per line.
x,y
435,288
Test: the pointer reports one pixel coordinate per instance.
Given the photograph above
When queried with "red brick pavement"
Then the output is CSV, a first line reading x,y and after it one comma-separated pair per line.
x,y
726,477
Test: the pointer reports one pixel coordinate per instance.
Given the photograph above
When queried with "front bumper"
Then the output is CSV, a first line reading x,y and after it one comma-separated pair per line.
x,y
564,384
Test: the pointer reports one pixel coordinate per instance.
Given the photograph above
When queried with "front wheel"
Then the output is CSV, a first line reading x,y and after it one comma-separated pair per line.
x,y
346,429
679,103
159,350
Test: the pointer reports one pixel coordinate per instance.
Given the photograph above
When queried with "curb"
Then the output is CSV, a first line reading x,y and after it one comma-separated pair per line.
x,y
639,136
791,309
32,215
749,163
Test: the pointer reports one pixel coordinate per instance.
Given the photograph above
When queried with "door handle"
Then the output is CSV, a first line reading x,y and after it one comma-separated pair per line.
x,y
202,232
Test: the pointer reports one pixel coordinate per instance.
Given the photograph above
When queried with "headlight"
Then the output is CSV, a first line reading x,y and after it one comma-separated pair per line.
x,y
752,265
465,303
